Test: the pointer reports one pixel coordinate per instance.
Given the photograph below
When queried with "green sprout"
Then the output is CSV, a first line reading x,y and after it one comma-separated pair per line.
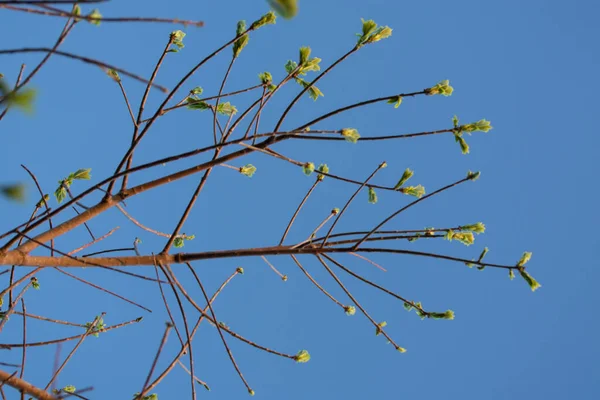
x,y
372,196
324,169
379,328
305,64
479,227
349,310
95,17
114,75
61,192
239,44
35,283
482,125
302,356
473,175
226,109
396,101
308,168
177,40
69,389
371,33
267,19
240,270
416,191
97,328
442,88
350,134
267,79
248,170
466,238
445,315
408,173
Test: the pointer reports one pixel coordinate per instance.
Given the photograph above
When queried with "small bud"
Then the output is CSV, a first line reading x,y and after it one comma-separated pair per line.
x,y
302,356
114,75
284,278
335,211
380,325
251,392
324,169
97,17
248,170
349,310
350,134
178,242
401,349
473,175
511,274
396,101
240,270
308,168
35,283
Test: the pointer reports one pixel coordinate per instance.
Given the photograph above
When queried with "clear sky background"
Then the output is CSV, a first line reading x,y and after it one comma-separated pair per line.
x,y
528,66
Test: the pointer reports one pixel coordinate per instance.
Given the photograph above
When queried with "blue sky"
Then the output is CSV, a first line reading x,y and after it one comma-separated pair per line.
x,y
529,67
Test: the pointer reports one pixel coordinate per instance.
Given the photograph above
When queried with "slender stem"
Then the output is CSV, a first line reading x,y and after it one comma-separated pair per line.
x,y
218,325
339,215
160,348
322,74
376,228
62,366
289,225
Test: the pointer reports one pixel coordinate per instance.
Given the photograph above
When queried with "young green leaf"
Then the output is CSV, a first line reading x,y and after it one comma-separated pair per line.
x,y
248,170
396,101
442,88
416,191
533,284
95,17
267,19
408,173
350,134
372,196
226,109
302,356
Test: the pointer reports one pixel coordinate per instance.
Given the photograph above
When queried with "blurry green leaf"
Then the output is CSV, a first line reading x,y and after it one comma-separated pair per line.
x,y
324,169
114,75
15,192
286,8
69,389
